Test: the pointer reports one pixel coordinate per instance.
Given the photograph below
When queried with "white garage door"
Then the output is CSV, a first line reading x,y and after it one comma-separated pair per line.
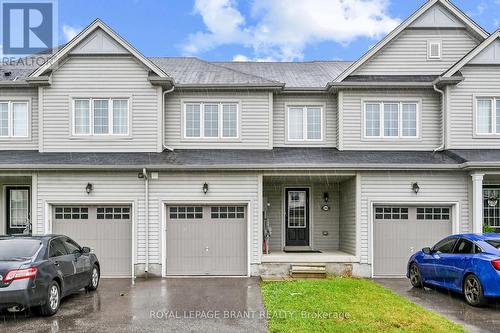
x,y
206,240
399,231
105,229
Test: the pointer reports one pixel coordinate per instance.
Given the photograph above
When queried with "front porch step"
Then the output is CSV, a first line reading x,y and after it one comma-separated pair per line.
x,y
308,271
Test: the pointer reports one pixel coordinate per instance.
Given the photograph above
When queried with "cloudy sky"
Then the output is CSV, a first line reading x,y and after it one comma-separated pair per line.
x,y
277,30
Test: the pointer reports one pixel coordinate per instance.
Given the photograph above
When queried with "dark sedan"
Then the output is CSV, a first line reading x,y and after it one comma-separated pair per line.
x,y
38,271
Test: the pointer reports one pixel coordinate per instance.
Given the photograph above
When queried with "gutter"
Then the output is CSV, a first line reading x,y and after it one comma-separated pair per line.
x,y
146,226
370,85
231,86
443,119
163,118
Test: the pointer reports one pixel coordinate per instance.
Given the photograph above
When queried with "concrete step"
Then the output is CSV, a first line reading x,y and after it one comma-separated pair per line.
x,y
308,271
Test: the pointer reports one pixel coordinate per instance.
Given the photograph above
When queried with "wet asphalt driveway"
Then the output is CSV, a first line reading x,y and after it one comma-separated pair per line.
x,y
155,305
450,305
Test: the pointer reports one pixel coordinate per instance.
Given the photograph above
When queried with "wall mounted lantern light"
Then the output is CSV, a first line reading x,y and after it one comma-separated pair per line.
x,y
205,188
89,188
326,197
415,187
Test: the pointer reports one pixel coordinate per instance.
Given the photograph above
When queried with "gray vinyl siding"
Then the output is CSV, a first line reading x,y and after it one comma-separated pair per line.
x,y
101,77
328,101
407,53
347,211
395,187
254,119
320,220
429,119
30,95
480,80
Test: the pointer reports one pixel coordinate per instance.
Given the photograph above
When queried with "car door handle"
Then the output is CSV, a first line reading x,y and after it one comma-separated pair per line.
x,y
57,263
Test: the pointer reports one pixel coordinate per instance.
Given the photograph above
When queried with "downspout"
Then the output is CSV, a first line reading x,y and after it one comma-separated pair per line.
x,y
443,119
146,222
163,116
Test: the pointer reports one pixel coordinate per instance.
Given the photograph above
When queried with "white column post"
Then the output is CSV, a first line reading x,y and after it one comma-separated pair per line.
x,y
477,202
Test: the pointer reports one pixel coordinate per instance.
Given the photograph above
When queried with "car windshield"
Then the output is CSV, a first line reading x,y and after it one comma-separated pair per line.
x,y
494,242
12,249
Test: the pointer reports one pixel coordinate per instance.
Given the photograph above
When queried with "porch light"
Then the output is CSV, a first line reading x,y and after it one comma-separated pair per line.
x,y
89,188
205,188
415,187
326,197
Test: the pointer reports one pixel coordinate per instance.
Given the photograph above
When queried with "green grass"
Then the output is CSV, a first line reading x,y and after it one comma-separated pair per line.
x,y
346,305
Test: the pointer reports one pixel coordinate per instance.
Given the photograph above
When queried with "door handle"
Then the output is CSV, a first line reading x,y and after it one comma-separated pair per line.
x,y
57,263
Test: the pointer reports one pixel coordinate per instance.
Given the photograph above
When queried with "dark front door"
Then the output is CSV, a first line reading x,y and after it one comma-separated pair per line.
x,y
18,209
297,217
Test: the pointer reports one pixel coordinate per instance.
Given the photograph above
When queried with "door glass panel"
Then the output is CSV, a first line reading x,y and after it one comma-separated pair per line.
x,y
297,209
445,246
19,208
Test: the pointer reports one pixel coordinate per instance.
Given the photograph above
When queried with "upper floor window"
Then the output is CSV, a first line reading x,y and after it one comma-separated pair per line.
x,y
14,119
487,116
305,123
211,120
391,120
100,116
434,49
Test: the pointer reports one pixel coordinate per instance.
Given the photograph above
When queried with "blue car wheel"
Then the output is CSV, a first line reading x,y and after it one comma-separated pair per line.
x,y
415,276
473,291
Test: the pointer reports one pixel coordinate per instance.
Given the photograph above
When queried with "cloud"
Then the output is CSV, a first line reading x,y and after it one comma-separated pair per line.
x,y
283,29
70,32
243,58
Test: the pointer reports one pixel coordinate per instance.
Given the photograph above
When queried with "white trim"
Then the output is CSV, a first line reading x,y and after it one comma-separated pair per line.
x,y
393,34
399,102
10,122
305,110
432,42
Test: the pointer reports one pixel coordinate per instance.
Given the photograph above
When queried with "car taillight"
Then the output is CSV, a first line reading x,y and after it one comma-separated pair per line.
x,y
496,264
20,274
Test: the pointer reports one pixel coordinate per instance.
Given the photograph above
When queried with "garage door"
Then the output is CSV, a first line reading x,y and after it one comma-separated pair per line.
x,y
399,231
206,240
105,229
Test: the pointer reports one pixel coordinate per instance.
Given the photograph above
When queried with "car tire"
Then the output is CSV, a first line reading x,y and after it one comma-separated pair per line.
x,y
416,276
473,291
52,301
95,278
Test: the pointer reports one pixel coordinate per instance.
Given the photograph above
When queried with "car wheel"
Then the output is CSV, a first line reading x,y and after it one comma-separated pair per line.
x,y
415,276
473,291
52,300
94,279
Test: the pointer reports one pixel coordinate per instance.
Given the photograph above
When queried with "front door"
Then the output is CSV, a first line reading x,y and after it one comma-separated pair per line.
x,y
18,209
297,217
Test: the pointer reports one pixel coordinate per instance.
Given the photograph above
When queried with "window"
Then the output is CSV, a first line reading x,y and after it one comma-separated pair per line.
x,y
211,120
434,50
305,123
465,246
113,213
14,119
433,213
56,248
391,213
445,246
100,116
182,213
487,116
227,212
71,246
391,120
72,213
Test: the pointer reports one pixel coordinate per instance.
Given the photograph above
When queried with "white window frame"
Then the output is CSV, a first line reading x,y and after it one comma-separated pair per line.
x,y
400,119
304,123
220,112
430,43
91,117
10,119
494,101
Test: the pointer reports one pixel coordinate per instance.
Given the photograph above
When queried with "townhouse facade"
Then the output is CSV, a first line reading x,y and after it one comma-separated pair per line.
x,y
179,166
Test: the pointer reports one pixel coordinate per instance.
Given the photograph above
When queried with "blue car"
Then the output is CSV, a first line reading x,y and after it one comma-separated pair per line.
x,y
468,264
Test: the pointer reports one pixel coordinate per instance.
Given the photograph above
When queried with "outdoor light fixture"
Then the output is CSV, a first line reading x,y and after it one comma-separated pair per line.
x,y
326,197
415,187
89,188
205,188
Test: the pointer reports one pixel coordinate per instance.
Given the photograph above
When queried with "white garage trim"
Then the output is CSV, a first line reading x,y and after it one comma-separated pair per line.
x,y
455,223
163,209
48,218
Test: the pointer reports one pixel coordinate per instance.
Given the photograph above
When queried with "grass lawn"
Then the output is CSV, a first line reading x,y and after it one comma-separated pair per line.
x,y
345,305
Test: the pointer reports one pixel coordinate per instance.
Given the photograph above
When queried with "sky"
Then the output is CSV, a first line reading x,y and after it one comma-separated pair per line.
x,y
255,30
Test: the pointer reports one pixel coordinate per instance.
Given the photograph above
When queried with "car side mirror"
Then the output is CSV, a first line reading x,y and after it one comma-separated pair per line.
x,y
427,250
85,249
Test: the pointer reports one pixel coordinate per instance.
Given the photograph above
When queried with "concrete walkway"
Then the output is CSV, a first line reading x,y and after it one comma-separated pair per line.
x,y
450,305
155,305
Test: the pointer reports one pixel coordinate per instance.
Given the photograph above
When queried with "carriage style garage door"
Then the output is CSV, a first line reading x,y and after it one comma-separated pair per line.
x,y
399,231
206,240
105,229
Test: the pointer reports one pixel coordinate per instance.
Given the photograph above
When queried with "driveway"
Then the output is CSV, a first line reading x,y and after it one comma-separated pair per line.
x,y
449,305
154,305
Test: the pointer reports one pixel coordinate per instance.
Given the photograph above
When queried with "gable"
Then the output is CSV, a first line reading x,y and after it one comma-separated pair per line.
x,y
490,55
437,17
99,43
